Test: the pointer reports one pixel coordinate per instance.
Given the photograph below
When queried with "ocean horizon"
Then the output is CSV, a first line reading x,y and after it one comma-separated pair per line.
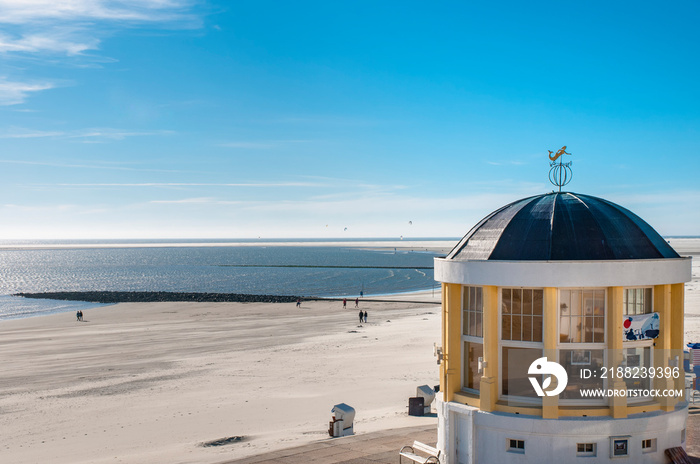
x,y
300,267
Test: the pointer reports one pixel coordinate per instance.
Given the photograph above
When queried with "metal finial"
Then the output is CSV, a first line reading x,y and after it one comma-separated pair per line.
x,y
559,173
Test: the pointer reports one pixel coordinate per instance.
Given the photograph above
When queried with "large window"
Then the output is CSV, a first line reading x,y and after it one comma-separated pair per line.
x,y
582,316
472,312
583,368
582,338
521,314
637,301
638,360
515,362
472,337
521,340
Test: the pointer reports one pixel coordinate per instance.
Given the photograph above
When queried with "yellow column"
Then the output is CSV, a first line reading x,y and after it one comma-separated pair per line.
x,y
662,345
443,342
452,347
550,404
618,404
677,333
489,381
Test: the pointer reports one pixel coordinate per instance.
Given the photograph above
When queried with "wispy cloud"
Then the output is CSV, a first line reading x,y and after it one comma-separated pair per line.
x,y
45,29
197,184
91,134
108,167
20,133
506,163
196,201
24,11
264,145
60,41
114,134
71,27
13,93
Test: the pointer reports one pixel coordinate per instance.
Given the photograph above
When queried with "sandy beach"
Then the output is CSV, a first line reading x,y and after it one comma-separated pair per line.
x,y
154,382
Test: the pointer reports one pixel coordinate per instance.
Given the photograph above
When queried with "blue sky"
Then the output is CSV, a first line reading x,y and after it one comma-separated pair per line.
x,y
177,119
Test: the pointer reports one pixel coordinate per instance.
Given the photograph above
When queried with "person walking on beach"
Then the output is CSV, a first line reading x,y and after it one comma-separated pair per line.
x,y
77,316
345,303
365,316
298,302
357,302
361,314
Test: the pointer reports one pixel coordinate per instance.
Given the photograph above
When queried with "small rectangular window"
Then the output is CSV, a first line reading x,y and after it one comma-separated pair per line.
x,y
585,449
637,301
516,446
619,446
649,445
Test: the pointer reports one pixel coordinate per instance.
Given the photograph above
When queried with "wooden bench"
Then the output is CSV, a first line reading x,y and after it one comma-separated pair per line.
x,y
410,453
678,455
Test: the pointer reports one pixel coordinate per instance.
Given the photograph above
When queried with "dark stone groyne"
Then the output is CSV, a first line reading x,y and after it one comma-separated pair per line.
x,y
147,297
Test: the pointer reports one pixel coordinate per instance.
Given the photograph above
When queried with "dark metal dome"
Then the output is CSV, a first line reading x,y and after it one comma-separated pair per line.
x,y
562,227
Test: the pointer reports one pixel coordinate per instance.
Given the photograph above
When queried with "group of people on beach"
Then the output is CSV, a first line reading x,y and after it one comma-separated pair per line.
x,y
79,315
363,314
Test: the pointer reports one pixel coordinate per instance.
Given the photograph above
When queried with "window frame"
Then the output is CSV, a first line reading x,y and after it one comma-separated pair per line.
x,y
469,338
466,310
605,317
517,448
625,300
516,344
639,343
652,446
592,453
532,316
613,451
642,344
584,346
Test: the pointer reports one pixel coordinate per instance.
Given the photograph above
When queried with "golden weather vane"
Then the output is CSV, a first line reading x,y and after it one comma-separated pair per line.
x,y
561,151
559,173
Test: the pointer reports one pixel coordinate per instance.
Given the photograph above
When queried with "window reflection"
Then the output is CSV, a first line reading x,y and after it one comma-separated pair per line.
x,y
578,365
472,353
515,363
521,314
635,359
637,301
582,316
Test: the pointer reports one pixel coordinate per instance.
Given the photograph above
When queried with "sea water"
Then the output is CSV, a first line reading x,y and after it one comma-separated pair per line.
x,y
253,269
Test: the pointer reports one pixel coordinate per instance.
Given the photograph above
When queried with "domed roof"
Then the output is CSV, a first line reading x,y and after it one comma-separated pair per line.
x,y
562,227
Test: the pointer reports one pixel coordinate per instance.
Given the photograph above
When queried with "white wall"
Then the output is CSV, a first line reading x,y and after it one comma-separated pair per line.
x,y
613,273
483,436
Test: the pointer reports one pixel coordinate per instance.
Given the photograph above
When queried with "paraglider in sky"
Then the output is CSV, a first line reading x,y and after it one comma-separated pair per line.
x,y
345,229
410,223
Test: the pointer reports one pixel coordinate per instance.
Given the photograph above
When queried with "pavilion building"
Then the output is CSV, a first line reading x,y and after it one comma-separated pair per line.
x,y
582,282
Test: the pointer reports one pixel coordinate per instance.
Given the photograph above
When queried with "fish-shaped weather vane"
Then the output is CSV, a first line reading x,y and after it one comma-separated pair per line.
x,y
559,173
561,151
